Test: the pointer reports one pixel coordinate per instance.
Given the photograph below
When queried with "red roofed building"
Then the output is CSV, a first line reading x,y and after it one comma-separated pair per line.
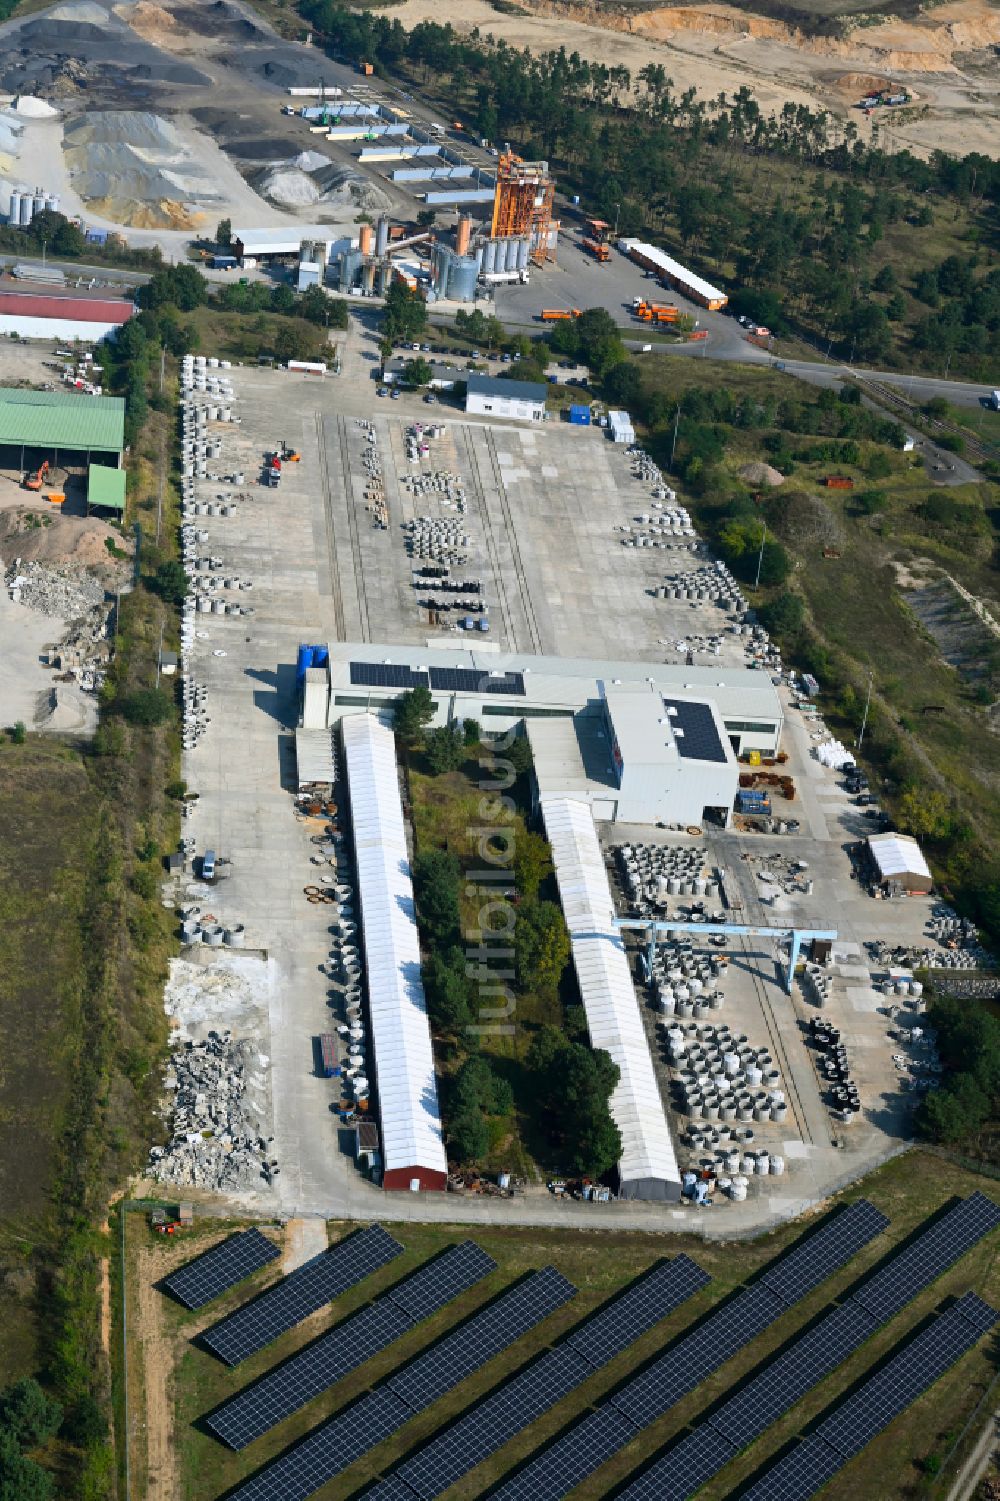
x,y
49,312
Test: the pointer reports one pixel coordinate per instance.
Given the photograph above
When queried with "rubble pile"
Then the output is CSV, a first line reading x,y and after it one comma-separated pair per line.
x,y
215,1123
66,593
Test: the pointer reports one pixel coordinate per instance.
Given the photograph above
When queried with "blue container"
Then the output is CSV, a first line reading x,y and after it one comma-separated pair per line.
x,y
483,624
320,656
303,661
580,415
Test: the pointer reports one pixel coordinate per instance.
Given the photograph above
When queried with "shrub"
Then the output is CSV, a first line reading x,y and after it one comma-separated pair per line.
x,y
147,706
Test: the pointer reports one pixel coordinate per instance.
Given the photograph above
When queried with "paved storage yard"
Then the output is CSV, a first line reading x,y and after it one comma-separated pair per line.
x,y
542,506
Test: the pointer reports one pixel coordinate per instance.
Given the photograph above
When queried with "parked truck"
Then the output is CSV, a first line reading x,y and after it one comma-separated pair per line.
x,y
993,400
598,250
558,314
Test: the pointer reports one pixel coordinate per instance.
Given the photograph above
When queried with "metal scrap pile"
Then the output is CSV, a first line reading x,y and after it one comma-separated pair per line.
x,y
215,1123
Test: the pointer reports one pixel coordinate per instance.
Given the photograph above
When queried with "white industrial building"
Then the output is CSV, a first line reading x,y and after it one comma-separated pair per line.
x,y
639,742
51,311
413,1153
522,401
251,245
647,1168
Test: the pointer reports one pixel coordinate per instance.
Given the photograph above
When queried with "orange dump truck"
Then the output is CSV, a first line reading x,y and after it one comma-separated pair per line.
x,y
558,314
655,312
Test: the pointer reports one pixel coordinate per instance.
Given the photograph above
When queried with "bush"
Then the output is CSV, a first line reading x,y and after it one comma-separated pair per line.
x,y
871,502
576,1082
147,706
18,733
170,582
445,749
783,615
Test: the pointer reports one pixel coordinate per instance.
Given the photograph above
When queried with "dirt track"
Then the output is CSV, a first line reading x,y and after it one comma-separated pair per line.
x,y
944,59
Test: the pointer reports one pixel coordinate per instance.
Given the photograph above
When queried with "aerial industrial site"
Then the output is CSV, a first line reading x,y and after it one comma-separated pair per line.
x,y
499,719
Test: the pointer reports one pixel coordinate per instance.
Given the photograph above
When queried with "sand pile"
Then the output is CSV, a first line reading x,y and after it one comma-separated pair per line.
x,y
60,540
855,86
310,161
286,186
150,21
761,474
134,168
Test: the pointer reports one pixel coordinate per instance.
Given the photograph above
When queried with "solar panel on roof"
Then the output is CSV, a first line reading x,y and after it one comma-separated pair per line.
x,y
872,1407
301,1293
824,1252
222,1267
485,1335
698,739
489,1426
643,1304
469,680
436,1284
347,1346
386,675
926,1258
327,1451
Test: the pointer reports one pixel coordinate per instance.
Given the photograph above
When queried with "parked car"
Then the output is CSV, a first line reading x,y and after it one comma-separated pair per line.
x,y
430,399
382,391
394,395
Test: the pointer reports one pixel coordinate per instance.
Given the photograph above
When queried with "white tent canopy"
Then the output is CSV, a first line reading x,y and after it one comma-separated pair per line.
x,y
648,1166
404,1059
897,857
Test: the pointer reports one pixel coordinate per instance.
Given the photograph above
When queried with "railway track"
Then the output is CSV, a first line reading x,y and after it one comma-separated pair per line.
x,y
515,547
331,540
890,397
352,526
491,546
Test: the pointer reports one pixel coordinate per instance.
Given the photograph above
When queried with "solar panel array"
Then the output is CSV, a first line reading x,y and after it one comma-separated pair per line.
x,y
338,1443
299,1294
699,738
468,680
553,1473
386,675
702,1453
221,1268
489,1425
860,1417
346,1347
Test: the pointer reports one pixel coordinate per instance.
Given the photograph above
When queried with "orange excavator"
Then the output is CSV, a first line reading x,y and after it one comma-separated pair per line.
x,y
34,481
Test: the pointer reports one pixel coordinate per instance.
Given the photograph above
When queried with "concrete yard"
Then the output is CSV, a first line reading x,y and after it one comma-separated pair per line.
x,y
542,505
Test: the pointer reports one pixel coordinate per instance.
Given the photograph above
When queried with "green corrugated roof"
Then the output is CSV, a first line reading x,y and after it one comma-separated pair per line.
x,y
106,487
58,419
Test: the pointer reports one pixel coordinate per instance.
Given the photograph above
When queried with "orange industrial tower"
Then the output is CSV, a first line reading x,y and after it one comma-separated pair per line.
x,y
522,204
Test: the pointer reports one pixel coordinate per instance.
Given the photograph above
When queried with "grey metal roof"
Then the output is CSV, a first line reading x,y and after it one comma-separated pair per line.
x,y
490,385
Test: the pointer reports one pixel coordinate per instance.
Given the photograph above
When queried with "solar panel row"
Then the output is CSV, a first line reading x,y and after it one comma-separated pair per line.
x,y
347,1346
494,1421
682,1470
553,1473
468,680
338,1443
857,1420
296,1296
694,725
386,675
221,1268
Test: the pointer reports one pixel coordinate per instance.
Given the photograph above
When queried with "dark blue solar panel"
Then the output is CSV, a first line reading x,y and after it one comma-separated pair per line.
x,y
919,1263
696,1356
781,1384
328,1451
565,1463
386,675
301,1293
647,1301
492,1423
917,1366
824,1252
490,1331
469,680
220,1268
679,1474
800,1474
694,726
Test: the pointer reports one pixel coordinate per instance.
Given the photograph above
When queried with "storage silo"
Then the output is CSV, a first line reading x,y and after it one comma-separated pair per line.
x,y
350,261
368,276
27,209
52,202
462,277
38,202
510,256
366,239
382,236
14,210
490,257
479,256
522,255
463,235
440,264
383,275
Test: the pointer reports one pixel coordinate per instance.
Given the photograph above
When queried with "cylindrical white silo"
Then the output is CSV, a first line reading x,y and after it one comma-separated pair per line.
x,y
52,202
27,209
14,210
